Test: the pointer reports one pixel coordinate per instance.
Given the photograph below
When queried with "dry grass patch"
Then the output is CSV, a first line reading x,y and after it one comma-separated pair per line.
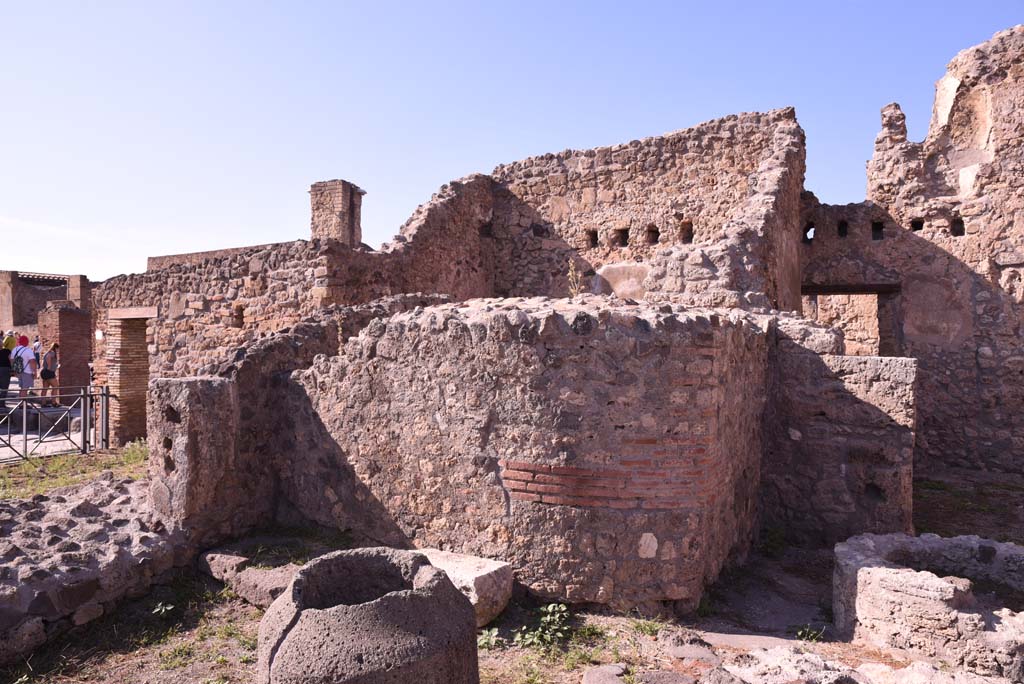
x,y
41,475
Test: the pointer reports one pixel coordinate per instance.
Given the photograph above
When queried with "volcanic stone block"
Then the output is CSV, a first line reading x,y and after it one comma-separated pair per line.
x,y
373,616
198,482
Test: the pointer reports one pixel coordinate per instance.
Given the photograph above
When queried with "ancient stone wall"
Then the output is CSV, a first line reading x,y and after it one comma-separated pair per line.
x,y
21,300
840,442
662,209
215,441
942,233
200,312
596,447
157,263
855,314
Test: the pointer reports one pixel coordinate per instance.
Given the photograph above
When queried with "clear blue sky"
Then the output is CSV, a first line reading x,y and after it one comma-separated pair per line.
x,y
144,128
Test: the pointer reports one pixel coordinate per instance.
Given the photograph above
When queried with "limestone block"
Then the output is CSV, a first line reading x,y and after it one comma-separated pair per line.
x,y
918,594
486,583
257,585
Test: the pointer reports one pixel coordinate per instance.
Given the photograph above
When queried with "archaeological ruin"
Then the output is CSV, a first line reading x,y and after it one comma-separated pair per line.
x,y
612,370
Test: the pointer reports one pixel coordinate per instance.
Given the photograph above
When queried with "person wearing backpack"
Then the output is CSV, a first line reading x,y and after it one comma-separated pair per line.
x,y
23,364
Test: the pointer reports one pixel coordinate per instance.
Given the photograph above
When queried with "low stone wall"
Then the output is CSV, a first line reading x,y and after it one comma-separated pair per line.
x,y
840,457
606,451
611,452
67,557
954,599
215,441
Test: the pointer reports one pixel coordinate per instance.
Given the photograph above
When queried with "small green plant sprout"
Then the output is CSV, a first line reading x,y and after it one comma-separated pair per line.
x,y
647,627
589,634
488,639
810,634
575,279
162,609
177,657
553,628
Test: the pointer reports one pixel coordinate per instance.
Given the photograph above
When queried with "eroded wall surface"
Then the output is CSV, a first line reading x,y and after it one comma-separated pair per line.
x,y
943,232
706,215
605,451
840,454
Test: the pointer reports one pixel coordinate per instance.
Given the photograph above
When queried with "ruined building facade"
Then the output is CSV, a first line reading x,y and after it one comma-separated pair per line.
x,y
719,367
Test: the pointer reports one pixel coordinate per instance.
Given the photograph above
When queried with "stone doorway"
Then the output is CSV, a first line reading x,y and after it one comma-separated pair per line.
x,y
127,364
869,316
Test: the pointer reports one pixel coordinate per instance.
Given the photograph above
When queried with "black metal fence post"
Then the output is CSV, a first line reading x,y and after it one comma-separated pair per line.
x,y
85,420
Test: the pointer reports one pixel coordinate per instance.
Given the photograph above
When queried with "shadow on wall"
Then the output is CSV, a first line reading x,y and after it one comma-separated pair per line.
x,y
528,255
839,459
962,324
326,489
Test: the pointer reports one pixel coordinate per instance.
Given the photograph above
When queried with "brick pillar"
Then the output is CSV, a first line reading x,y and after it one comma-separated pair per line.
x,y
80,291
335,207
71,328
127,366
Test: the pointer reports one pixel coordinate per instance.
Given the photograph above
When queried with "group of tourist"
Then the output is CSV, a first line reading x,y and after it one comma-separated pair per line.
x,y
23,362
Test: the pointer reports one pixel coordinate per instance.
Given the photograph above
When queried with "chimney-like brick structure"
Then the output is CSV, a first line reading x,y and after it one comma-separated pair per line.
x,y
335,211
80,292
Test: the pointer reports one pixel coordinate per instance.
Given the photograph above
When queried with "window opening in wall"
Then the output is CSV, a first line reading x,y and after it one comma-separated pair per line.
x,y
653,235
855,314
622,237
956,228
917,225
877,230
592,238
487,230
843,229
686,232
808,233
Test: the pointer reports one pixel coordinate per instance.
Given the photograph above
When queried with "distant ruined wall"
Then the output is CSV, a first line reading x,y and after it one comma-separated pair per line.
x,y
943,233
21,302
666,206
205,310
157,263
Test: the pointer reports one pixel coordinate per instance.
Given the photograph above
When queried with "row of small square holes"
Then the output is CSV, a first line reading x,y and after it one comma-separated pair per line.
x,y
956,229
652,235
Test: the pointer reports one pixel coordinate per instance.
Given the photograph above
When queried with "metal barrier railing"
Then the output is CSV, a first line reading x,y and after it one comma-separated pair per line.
x,y
52,416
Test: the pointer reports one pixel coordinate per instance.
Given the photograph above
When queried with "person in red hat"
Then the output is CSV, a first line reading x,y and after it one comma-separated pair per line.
x,y
24,366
